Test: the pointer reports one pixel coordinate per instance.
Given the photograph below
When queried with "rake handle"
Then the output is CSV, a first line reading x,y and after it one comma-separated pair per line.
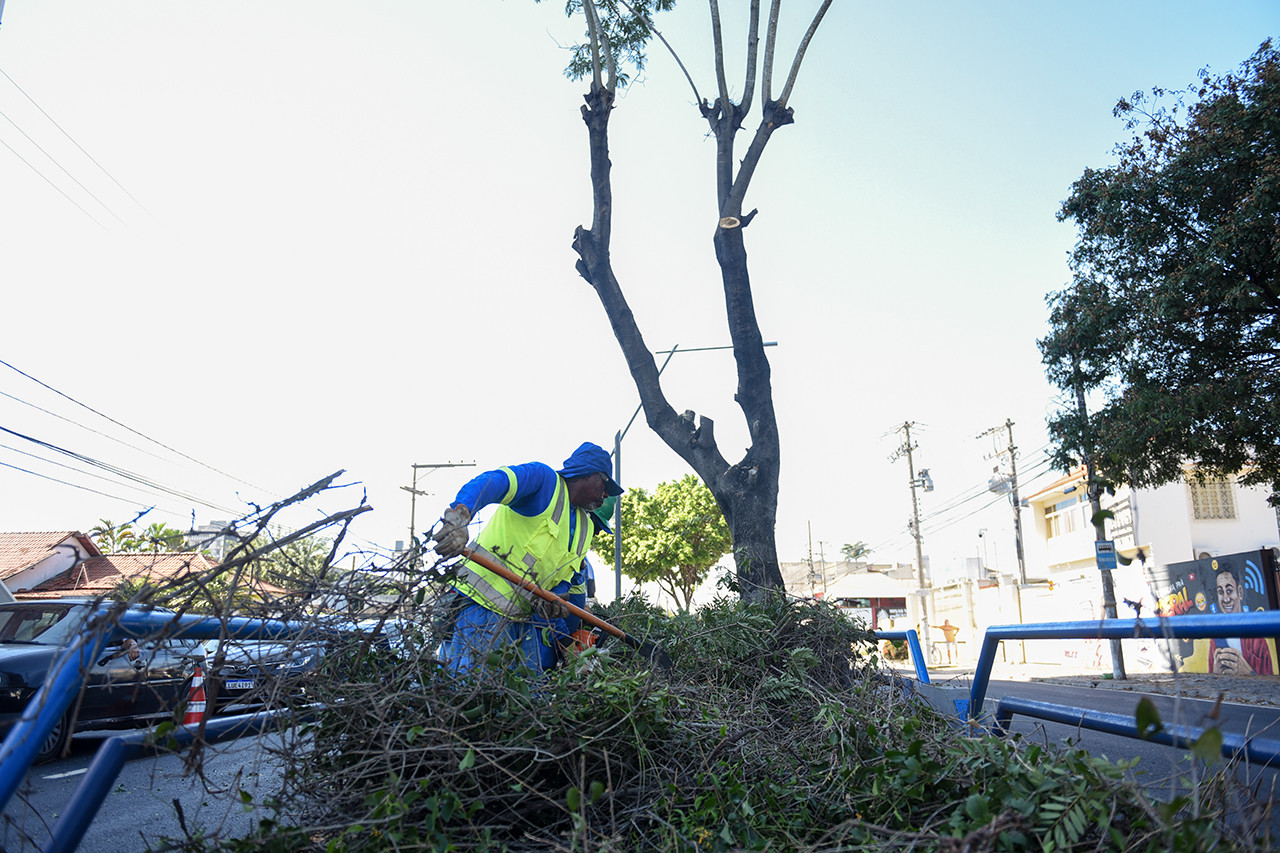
x,y
524,583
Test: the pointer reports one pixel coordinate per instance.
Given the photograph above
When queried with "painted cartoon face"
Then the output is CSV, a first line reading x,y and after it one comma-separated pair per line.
x,y
1228,593
1201,602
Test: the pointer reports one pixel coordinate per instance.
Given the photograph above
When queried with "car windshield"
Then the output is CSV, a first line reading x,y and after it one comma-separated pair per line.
x,y
43,624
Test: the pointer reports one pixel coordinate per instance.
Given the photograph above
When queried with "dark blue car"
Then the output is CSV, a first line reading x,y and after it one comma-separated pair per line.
x,y
133,682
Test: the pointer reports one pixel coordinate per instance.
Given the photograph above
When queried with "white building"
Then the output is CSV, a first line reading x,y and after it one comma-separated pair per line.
x,y
1169,524
1155,527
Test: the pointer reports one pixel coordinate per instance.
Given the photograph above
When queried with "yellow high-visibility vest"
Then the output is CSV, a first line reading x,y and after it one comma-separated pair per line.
x,y
538,547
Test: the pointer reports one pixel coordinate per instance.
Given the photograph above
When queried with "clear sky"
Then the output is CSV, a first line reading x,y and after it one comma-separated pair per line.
x,y
329,236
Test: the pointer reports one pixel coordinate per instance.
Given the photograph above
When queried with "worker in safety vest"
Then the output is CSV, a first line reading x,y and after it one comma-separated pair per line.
x,y
541,530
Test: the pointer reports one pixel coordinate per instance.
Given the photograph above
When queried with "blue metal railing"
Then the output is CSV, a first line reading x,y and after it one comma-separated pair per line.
x,y
1258,750
66,677
1264,623
1218,626
913,649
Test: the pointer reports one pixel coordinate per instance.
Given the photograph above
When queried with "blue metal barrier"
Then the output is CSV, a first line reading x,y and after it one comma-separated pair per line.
x,y
1264,623
1257,750
66,677
913,648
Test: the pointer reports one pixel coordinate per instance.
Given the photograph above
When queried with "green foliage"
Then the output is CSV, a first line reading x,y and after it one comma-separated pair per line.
x,y
627,31
1171,317
301,564
112,538
855,551
672,537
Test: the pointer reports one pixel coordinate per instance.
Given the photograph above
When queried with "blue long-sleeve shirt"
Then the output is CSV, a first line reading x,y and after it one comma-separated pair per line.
x,y
536,485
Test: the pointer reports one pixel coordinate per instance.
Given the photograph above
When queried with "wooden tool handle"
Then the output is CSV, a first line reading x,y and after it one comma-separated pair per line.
x,y
498,568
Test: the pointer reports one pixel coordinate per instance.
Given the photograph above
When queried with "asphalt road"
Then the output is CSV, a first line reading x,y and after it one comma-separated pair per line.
x,y
1164,771
139,811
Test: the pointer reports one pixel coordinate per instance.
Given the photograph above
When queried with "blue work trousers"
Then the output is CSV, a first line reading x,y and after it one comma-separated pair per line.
x,y
479,631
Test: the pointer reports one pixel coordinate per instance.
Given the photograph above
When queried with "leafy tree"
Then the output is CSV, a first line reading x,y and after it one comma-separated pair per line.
x,y
1172,318
616,37
300,564
672,537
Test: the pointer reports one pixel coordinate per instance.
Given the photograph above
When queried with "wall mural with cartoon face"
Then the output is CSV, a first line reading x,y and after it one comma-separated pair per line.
x,y
1232,583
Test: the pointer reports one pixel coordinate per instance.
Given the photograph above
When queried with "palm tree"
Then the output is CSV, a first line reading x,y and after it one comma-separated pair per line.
x,y
160,537
112,538
857,552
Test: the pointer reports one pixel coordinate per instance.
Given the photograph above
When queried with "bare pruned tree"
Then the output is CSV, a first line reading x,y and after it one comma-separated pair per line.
x,y
746,490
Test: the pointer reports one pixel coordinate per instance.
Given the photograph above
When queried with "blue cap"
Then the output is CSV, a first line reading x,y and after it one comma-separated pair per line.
x,y
590,459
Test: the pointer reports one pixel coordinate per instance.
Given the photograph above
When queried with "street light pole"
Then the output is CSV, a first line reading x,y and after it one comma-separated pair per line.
x,y
1100,535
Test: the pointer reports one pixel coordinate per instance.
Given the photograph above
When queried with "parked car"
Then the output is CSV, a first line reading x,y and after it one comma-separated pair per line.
x,y
134,682
250,674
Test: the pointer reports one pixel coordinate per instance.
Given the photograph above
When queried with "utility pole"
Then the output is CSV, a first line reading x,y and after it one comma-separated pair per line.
x,y
813,576
923,592
822,565
1011,450
413,500
1100,534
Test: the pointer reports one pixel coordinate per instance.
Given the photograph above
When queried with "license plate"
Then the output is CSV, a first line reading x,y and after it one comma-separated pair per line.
x,y
240,684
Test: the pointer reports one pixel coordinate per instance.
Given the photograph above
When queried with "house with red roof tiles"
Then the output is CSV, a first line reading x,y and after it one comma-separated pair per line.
x,y
29,559
98,576
68,563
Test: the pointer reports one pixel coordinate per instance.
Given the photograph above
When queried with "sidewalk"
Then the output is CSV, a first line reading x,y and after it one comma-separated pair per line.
x,y
1244,690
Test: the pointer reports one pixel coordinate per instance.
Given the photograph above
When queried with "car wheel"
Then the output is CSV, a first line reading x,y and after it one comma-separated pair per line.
x,y
56,740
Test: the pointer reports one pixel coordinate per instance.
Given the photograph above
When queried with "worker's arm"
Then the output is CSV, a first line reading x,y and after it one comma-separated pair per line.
x,y
528,489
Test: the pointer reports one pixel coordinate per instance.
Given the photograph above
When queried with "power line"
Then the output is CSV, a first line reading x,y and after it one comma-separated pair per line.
x,y
53,160
65,483
114,469
84,427
95,476
55,186
76,144
990,503
135,432
144,481
902,539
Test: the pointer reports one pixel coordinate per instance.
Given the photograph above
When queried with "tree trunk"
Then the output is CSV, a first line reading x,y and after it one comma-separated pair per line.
x,y
747,492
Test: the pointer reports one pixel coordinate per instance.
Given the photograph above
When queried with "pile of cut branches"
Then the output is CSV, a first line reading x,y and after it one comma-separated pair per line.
x,y
776,729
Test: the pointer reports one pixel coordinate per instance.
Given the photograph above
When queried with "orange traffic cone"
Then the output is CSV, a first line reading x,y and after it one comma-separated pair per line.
x,y
196,701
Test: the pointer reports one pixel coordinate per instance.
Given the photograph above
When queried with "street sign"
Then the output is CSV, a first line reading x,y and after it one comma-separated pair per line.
x,y
1105,551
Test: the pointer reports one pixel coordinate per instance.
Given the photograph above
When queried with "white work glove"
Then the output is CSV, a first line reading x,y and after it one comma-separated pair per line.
x,y
452,537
